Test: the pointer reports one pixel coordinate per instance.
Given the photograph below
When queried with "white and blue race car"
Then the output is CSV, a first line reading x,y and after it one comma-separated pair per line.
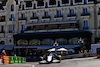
x,y
50,58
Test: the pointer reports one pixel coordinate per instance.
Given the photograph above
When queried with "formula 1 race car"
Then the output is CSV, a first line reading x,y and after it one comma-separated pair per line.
x,y
50,58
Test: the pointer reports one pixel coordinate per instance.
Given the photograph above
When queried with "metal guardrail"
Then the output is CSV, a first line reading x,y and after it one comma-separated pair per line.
x,y
78,56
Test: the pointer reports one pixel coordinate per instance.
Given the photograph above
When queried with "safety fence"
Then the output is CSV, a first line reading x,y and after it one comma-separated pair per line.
x,y
79,55
13,59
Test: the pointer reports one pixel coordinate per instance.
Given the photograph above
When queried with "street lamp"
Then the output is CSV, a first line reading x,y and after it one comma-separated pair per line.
x,y
55,45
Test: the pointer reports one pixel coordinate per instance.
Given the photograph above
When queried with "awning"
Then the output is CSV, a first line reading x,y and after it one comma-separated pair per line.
x,y
31,46
46,23
19,47
45,46
60,46
9,47
1,47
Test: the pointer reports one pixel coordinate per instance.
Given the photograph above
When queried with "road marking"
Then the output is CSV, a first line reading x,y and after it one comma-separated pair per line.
x,y
33,65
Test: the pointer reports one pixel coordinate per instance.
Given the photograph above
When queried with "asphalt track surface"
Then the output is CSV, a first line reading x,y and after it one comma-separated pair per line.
x,y
77,62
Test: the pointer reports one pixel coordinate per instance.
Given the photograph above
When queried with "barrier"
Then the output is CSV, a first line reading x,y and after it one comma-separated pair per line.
x,y
14,59
11,59
6,59
95,54
79,55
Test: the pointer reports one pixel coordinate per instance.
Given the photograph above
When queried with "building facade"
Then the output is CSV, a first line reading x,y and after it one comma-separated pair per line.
x,y
42,22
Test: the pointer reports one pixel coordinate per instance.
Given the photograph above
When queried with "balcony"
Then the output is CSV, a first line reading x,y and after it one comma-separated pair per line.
x,y
2,20
22,18
51,30
72,17
46,19
34,19
58,18
87,15
10,31
22,31
2,31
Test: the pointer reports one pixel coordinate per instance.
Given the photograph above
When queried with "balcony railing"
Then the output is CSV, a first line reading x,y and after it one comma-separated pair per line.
x,y
43,28
34,18
22,31
10,31
73,15
2,31
87,14
2,20
45,17
85,28
58,16
22,18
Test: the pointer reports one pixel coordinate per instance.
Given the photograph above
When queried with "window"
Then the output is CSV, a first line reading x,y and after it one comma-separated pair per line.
x,y
22,42
46,27
46,5
34,6
85,11
12,16
22,7
71,25
23,16
59,26
73,40
12,7
61,41
34,15
34,42
23,27
58,3
46,14
2,28
71,2
58,13
10,28
40,2
84,1
28,4
65,1
34,27
52,2
85,24
48,41
78,1
71,12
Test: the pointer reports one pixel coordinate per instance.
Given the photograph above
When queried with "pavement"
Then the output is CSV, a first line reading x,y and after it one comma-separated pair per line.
x,y
76,62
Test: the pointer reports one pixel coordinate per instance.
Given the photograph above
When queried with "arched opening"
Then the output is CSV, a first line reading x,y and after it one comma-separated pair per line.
x,y
22,42
73,40
34,42
61,41
2,43
48,41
